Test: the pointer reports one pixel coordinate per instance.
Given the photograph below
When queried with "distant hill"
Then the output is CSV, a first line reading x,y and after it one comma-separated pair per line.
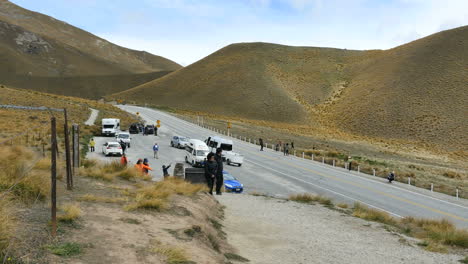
x,y
35,47
415,92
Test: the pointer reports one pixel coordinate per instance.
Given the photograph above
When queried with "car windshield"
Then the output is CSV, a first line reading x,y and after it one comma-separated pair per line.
x,y
124,136
228,177
226,147
113,145
182,139
202,153
108,126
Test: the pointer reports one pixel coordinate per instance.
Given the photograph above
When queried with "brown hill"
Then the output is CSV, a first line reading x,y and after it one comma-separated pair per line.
x,y
35,47
413,92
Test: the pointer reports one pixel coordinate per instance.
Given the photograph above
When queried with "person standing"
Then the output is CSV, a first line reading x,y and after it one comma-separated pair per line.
x,y
155,151
211,167
260,140
391,177
123,145
166,170
292,144
139,165
92,144
219,170
350,163
156,130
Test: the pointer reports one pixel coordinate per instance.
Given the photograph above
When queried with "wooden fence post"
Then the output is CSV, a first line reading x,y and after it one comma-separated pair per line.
x,y
67,150
53,177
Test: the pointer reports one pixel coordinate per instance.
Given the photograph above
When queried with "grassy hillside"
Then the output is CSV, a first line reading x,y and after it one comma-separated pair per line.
x,y
70,36
415,92
40,53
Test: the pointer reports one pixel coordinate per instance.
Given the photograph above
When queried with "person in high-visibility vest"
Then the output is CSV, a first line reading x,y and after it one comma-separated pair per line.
x,y
92,143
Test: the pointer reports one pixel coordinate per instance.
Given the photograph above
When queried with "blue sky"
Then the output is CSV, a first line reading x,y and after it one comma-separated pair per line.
x,y
188,30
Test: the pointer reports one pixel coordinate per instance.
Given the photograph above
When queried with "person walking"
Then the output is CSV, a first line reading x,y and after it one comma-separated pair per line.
x,y
211,167
219,170
123,145
260,140
92,144
166,170
155,150
145,166
292,144
156,130
350,163
286,149
124,160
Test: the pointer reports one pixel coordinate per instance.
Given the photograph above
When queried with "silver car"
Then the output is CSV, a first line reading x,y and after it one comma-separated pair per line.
x,y
179,142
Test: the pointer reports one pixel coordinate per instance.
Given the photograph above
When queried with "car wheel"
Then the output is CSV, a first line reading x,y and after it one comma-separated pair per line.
x,y
228,162
178,146
240,164
172,144
128,145
186,159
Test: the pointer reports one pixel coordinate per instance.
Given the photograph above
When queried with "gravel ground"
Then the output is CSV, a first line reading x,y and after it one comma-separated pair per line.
x,y
268,230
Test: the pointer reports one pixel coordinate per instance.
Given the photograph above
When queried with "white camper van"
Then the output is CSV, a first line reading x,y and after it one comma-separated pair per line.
x,y
110,126
196,152
229,156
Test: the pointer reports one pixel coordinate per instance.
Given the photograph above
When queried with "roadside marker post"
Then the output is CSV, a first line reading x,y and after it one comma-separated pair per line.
x,y
302,154
457,194
312,157
333,163
409,180
373,172
358,169
323,160
295,153
432,187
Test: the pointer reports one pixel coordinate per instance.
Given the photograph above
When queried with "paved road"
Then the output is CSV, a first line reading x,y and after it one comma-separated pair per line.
x,y
92,117
272,173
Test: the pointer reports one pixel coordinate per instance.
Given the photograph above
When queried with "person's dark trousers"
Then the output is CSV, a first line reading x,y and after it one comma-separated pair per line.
x,y
92,149
261,147
209,182
219,183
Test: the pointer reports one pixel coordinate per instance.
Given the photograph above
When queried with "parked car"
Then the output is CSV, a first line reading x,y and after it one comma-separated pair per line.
x,y
228,154
179,142
231,184
196,152
112,148
123,136
149,130
134,129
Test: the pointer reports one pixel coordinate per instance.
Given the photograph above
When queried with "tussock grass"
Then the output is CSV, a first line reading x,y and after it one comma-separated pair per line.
x,y
130,174
155,196
111,170
66,249
373,214
173,255
25,180
436,233
235,257
71,212
97,173
101,199
342,205
7,224
310,198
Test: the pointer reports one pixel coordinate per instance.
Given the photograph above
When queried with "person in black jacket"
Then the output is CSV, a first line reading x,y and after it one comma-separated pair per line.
x,y
210,171
219,171
261,144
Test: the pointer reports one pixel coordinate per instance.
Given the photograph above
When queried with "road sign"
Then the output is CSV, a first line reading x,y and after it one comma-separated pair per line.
x,y
229,125
137,113
158,123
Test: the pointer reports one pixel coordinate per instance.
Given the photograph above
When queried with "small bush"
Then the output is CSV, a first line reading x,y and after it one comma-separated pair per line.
x,y
97,173
310,198
65,250
173,255
71,213
342,205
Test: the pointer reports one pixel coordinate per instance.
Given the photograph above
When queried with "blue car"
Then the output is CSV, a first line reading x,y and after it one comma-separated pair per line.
x,y
231,184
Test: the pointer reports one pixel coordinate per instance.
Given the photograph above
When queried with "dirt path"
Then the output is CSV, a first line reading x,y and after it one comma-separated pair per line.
x,y
267,230
92,117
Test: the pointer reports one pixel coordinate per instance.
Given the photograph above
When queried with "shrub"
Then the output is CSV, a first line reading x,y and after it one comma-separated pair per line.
x,y
372,214
310,198
173,255
65,250
7,223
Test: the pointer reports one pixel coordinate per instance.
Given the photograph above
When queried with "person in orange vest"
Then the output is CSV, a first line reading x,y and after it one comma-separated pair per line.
x,y
145,166
124,160
139,165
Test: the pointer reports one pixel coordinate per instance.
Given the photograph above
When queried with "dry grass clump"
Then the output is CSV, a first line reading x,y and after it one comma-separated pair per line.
x,y
71,212
342,205
440,231
155,196
101,199
7,223
172,254
373,214
310,198
25,180
110,170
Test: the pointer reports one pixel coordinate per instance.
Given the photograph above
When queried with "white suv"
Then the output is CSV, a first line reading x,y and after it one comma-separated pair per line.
x,y
112,148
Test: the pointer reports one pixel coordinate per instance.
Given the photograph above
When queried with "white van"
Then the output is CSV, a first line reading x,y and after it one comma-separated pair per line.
x,y
196,152
110,126
229,156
